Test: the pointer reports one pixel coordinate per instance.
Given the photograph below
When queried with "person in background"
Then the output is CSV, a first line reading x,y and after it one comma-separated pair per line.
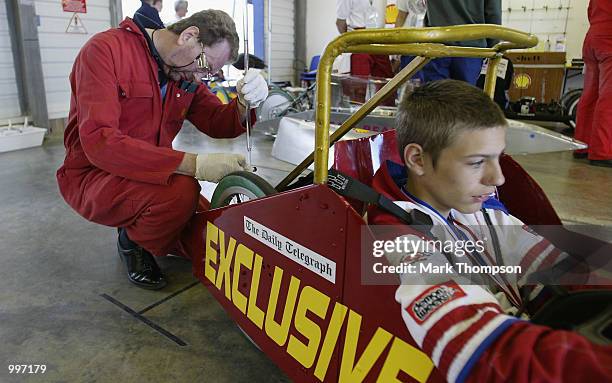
x,y
360,14
441,13
158,4
505,74
132,87
594,118
180,9
148,14
410,14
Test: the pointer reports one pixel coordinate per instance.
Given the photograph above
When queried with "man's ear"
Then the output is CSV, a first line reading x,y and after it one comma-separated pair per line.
x,y
189,33
414,158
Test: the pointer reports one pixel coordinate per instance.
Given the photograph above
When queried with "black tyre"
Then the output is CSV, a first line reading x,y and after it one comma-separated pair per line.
x,y
240,187
570,104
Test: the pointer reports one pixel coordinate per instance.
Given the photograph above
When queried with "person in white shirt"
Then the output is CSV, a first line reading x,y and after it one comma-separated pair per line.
x,y
180,7
360,14
355,14
411,14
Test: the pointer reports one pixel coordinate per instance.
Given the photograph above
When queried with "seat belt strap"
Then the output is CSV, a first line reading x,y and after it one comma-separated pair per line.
x,y
349,187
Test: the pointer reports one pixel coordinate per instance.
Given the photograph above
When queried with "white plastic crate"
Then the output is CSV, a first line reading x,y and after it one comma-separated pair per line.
x,y
19,137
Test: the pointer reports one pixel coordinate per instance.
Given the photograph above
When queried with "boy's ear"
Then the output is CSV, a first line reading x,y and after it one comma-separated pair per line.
x,y
414,158
189,33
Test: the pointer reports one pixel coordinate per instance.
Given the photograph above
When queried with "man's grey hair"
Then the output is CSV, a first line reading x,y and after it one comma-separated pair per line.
x,y
178,4
214,25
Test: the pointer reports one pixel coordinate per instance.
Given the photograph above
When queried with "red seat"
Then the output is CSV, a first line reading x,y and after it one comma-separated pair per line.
x,y
526,200
523,197
360,158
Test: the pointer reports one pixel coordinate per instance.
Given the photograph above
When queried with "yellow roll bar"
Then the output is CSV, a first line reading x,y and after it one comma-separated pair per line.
x,y
425,43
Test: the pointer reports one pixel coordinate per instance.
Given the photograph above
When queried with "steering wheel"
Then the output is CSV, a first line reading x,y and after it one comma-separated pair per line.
x,y
587,312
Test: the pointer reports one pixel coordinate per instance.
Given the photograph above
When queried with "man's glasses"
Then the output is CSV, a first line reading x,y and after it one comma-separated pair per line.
x,y
202,65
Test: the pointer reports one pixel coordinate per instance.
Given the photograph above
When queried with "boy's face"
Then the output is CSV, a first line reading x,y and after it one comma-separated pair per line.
x,y
466,172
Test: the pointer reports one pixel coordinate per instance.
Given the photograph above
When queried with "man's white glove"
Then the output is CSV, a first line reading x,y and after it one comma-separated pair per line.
x,y
252,88
214,166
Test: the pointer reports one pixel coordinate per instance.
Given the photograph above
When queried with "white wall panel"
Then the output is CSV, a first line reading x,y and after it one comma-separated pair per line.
x,y
320,26
544,19
9,94
55,24
58,49
283,39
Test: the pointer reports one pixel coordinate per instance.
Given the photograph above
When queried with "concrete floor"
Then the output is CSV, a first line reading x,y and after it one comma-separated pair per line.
x,y
65,301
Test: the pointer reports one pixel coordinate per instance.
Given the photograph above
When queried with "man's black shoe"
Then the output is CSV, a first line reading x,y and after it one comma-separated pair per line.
x,y
142,269
604,163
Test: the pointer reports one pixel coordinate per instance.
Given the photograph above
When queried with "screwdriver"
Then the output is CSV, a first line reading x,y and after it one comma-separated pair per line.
x,y
245,19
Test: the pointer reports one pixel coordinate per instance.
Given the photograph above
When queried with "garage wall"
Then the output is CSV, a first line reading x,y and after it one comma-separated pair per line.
x,y
320,26
9,95
321,18
577,27
58,49
552,24
283,38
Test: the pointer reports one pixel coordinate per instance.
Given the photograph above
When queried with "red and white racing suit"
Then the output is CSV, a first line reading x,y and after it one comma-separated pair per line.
x,y
466,329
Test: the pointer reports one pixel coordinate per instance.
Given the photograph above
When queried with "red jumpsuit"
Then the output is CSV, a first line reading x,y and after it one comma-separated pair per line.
x,y
119,165
594,120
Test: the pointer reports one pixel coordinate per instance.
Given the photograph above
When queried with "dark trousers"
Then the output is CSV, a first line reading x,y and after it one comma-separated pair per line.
x,y
457,68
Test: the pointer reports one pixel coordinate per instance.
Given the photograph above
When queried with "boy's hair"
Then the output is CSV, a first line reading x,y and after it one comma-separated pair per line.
x,y
432,115
214,25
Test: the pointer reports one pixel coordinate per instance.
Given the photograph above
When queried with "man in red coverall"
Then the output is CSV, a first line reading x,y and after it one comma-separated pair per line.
x,y
594,120
132,87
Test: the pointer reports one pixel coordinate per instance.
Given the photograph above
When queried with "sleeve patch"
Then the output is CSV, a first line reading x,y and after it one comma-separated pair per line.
x,y
530,231
423,306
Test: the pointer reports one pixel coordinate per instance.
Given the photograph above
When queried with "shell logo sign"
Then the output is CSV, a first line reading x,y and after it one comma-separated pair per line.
x,y
391,14
522,81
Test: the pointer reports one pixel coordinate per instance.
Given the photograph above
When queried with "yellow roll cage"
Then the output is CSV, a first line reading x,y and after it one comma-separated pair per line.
x,y
425,44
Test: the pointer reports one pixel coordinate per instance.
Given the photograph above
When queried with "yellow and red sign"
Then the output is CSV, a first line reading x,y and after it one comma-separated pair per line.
x,y
301,320
74,6
287,270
